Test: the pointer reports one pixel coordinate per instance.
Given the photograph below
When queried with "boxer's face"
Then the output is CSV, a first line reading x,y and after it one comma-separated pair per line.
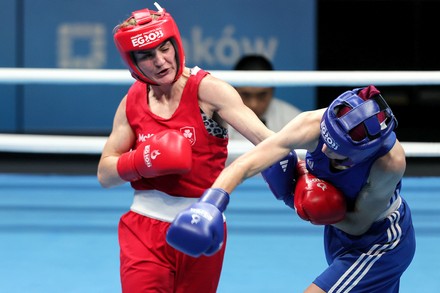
x,y
338,161
158,64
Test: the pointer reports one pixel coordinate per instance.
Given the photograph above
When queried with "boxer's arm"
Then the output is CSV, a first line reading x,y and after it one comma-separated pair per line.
x,y
300,133
120,140
217,96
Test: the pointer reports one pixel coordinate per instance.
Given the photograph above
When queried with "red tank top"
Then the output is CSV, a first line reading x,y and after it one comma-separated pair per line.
x,y
209,153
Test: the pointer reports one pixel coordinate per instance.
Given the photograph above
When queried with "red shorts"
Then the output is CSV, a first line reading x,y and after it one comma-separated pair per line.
x,y
149,264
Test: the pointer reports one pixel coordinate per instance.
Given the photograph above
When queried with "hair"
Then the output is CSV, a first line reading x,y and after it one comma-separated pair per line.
x,y
129,22
253,62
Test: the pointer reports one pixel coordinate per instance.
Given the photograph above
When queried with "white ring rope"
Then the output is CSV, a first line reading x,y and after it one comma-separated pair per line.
x,y
56,144
264,78
92,145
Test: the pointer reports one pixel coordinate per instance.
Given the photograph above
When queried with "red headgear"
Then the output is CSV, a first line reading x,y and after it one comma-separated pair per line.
x,y
148,32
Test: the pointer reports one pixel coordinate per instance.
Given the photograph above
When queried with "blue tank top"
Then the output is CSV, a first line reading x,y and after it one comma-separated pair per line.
x,y
349,181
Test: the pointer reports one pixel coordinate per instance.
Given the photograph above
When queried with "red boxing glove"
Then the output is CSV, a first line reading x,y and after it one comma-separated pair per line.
x,y
167,152
317,201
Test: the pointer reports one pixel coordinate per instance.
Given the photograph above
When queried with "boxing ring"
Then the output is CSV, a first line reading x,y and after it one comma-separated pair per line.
x,y
58,232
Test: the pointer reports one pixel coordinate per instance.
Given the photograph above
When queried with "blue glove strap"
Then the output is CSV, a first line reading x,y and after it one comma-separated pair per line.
x,y
281,176
217,197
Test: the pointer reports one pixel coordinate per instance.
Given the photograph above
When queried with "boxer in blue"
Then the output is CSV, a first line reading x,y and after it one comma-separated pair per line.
x,y
350,182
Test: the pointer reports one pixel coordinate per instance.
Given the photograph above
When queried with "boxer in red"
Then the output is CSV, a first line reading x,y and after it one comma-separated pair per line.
x,y
169,140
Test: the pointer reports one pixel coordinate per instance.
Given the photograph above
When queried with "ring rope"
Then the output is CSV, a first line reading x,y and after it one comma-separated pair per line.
x,y
92,145
57,144
261,78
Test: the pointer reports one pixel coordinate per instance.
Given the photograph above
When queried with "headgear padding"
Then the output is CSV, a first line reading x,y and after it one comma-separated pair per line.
x,y
151,29
358,123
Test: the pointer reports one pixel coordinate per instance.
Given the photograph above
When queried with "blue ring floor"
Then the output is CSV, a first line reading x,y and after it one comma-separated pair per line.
x,y
58,233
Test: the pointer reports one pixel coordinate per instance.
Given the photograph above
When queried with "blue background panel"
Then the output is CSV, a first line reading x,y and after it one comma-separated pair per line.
x,y
69,109
8,58
78,34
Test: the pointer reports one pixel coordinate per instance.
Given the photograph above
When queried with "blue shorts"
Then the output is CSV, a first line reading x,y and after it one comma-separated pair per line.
x,y
372,262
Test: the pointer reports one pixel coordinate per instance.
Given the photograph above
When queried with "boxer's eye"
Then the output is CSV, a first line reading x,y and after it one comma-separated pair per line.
x,y
346,163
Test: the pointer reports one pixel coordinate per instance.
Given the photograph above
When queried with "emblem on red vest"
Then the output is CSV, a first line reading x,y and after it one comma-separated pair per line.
x,y
190,133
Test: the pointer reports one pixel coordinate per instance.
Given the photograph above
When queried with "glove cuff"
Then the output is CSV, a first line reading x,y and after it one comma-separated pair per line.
x,y
126,168
217,197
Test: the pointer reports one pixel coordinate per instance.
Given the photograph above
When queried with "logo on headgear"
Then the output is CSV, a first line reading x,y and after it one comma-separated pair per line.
x,y
146,38
329,140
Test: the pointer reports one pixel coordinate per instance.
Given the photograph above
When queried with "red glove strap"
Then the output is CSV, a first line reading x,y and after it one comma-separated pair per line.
x,y
126,168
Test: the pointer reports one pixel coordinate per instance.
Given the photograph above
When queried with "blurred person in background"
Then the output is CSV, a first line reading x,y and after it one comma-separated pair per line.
x,y
273,112
169,140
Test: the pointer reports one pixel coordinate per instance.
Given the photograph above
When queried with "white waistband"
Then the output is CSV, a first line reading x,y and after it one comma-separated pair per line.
x,y
159,205
391,209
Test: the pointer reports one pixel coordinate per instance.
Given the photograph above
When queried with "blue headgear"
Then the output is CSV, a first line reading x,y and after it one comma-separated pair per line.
x,y
335,130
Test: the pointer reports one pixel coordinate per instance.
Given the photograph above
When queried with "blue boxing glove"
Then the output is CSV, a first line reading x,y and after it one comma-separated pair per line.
x,y
199,229
280,177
